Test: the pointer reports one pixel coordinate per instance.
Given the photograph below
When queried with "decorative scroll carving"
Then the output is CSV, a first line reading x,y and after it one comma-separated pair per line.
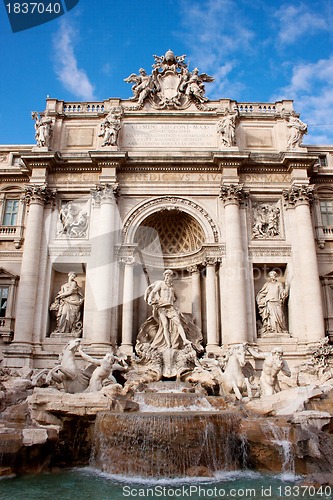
x,y
232,193
170,85
73,221
298,195
38,194
266,221
110,127
43,128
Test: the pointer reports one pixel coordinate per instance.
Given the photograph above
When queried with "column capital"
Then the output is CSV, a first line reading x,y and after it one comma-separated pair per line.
x,y
38,194
129,260
193,269
211,261
298,195
232,193
105,193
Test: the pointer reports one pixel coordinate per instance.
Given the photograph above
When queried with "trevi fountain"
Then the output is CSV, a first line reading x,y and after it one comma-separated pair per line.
x,y
166,299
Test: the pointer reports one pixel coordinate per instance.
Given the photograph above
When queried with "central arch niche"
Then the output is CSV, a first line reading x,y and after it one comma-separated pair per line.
x,y
171,232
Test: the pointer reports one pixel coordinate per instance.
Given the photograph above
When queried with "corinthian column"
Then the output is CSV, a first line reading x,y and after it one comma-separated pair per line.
x,y
211,304
196,295
101,268
235,331
299,198
127,325
35,196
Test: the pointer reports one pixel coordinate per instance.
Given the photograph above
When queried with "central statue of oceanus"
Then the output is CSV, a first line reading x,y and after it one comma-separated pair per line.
x,y
169,334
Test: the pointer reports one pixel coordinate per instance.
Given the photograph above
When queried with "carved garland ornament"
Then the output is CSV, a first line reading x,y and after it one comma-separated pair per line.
x,y
172,201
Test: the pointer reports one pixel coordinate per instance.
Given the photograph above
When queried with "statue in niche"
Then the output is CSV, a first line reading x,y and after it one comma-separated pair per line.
x,y
110,127
273,364
43,129
226,128
73,221
68,307
167,331
143,85
297,129
266,219
271,299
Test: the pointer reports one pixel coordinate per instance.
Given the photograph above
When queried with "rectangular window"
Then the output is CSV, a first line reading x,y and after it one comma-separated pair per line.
x,y
323,161
3,300
10,214
326,208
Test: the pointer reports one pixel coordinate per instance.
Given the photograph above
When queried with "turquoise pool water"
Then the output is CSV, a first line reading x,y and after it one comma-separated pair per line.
x,y
89,484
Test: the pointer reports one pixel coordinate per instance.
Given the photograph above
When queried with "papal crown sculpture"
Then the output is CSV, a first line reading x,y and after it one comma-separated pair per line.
x,y
170,85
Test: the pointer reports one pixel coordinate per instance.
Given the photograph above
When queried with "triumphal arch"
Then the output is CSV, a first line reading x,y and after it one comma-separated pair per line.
x,y
224,194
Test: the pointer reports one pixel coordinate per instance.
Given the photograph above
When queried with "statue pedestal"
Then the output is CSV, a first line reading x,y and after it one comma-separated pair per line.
x,y
69,335
40,149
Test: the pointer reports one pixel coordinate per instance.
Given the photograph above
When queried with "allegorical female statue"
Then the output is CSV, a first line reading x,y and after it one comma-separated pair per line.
x,y
68,305
270,300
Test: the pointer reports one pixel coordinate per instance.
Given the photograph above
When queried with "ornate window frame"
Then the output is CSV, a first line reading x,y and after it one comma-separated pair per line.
x,y
327,284
323,231
12,232
10,281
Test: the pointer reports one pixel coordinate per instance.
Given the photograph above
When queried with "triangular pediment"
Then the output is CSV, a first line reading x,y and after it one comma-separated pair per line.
x,y
7,275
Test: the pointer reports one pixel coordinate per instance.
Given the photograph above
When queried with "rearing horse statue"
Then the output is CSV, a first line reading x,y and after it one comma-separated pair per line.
x,y
233,379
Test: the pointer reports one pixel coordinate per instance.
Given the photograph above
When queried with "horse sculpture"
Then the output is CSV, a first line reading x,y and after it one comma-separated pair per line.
x,y
232,378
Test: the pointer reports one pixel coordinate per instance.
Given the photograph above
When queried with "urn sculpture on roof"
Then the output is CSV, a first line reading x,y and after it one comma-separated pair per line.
x,y
170,85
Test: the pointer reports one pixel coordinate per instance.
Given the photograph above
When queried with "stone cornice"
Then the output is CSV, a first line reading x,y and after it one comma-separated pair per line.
x,y
43,160
109,159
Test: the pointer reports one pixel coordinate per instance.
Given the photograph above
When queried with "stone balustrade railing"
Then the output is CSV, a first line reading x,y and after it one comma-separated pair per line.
x,y
83,107
99,107
251,108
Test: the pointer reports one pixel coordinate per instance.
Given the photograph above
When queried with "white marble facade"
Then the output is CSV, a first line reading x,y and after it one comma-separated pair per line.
x,y
169,187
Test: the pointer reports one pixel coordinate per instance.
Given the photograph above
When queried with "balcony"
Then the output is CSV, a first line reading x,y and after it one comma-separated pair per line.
x,y
7,329
12,233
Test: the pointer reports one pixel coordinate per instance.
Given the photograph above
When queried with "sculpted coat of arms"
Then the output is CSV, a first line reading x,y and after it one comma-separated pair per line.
x,y
170,85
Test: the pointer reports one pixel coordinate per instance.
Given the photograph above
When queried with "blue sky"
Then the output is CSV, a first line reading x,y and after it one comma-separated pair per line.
x,y
257,51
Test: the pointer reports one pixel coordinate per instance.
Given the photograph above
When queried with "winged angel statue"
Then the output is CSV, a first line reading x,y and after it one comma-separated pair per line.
x,y
171,83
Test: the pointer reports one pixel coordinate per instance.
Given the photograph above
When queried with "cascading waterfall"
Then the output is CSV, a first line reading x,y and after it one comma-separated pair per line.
x,y
167,444
280,436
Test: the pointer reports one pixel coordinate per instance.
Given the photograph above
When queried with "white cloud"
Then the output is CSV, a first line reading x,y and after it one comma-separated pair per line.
x,y
296,21
66,67
311,87
215,31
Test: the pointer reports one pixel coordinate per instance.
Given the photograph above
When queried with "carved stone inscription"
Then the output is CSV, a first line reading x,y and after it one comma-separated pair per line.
x,y
169,135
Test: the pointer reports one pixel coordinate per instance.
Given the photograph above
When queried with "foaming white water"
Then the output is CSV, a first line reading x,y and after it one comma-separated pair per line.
x,y
147,408
199,405
218,476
